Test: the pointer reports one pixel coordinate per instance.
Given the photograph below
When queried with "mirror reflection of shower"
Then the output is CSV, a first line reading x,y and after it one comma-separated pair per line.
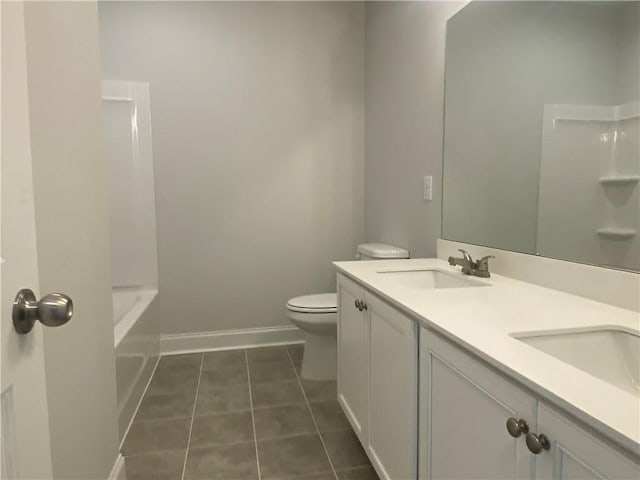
x,y
542,129
132,216
595,149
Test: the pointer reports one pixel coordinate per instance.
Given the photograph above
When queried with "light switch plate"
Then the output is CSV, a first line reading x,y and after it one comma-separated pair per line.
x,y
427,193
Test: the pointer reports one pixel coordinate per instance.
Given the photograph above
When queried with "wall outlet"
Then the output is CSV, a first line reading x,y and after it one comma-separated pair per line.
x,y
427,191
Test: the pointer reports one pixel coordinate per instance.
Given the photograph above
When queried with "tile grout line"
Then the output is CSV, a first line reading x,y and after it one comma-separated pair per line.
x,y
193,414
135,412
313,418
253,420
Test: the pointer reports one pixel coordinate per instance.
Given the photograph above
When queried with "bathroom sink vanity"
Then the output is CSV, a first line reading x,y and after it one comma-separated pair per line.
x,y
485,378
446,375
430,278
378,377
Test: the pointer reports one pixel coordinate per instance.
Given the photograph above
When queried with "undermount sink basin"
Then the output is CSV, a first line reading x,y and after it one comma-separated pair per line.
x,y
431,278
610,354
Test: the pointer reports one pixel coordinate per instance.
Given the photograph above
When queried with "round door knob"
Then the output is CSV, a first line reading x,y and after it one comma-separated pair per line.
x,y
52,310
358,305
517,427
537,443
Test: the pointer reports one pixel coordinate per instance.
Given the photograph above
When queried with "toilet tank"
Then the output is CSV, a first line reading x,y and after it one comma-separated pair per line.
x,y
380,251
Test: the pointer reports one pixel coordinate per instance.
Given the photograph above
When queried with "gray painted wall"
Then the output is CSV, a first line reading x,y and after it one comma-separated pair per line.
x,y
404,88
257,115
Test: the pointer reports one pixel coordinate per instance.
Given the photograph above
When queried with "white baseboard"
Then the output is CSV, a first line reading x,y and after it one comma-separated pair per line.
x,y
228,339
118,472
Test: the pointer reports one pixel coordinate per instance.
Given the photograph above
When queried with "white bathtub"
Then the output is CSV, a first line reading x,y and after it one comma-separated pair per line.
x,y
129,303
137,344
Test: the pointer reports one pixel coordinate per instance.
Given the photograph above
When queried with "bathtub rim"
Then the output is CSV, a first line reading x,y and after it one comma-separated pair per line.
x,y
126,323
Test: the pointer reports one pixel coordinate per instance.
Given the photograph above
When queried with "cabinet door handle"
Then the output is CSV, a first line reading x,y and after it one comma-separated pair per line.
x,y
517,427
537,443
360,305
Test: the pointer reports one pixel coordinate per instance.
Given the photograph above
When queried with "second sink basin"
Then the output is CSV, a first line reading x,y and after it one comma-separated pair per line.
x,y
610,354
431,278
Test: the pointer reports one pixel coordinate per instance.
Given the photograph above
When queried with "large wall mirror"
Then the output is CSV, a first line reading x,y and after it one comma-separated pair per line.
x,y
542,129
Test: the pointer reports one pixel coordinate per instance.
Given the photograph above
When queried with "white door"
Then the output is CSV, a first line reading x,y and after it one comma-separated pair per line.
x,y
26,452
464,407
54,176
576,454
353,357
393,399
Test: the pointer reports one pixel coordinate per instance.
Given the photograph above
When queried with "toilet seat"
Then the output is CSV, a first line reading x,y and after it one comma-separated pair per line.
x,y
314,304
317,318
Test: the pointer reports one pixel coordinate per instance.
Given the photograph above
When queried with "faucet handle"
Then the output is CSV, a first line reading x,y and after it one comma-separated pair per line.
x,y
483,263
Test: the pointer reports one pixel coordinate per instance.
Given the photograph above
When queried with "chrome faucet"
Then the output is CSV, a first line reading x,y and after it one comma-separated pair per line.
x,y
469,267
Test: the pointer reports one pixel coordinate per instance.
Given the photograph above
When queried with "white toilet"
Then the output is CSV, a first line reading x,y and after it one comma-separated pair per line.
x,y
316,316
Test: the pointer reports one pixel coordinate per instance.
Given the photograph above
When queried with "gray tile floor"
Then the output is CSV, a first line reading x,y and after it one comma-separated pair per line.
x,y
241,414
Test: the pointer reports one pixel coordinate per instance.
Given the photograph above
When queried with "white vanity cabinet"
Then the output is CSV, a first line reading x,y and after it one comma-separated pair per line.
x,y
576,454
377,378
464,408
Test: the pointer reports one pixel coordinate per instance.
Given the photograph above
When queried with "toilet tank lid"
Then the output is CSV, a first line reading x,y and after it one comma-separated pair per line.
x,y
382,250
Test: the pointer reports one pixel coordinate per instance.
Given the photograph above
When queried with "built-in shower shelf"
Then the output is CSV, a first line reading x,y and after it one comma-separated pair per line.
x,y
617,233
620,180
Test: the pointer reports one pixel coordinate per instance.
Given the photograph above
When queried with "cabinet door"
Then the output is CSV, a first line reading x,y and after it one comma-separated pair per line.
x,y
464,406
393,390
353,357
576,454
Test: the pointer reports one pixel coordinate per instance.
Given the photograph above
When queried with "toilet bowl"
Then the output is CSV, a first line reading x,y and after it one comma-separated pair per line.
x,y
316,316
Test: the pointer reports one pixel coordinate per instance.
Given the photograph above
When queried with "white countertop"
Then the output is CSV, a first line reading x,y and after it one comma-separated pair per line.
x,y
482,319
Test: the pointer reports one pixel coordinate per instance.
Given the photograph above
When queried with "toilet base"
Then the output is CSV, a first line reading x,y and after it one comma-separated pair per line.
x,y
319,360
